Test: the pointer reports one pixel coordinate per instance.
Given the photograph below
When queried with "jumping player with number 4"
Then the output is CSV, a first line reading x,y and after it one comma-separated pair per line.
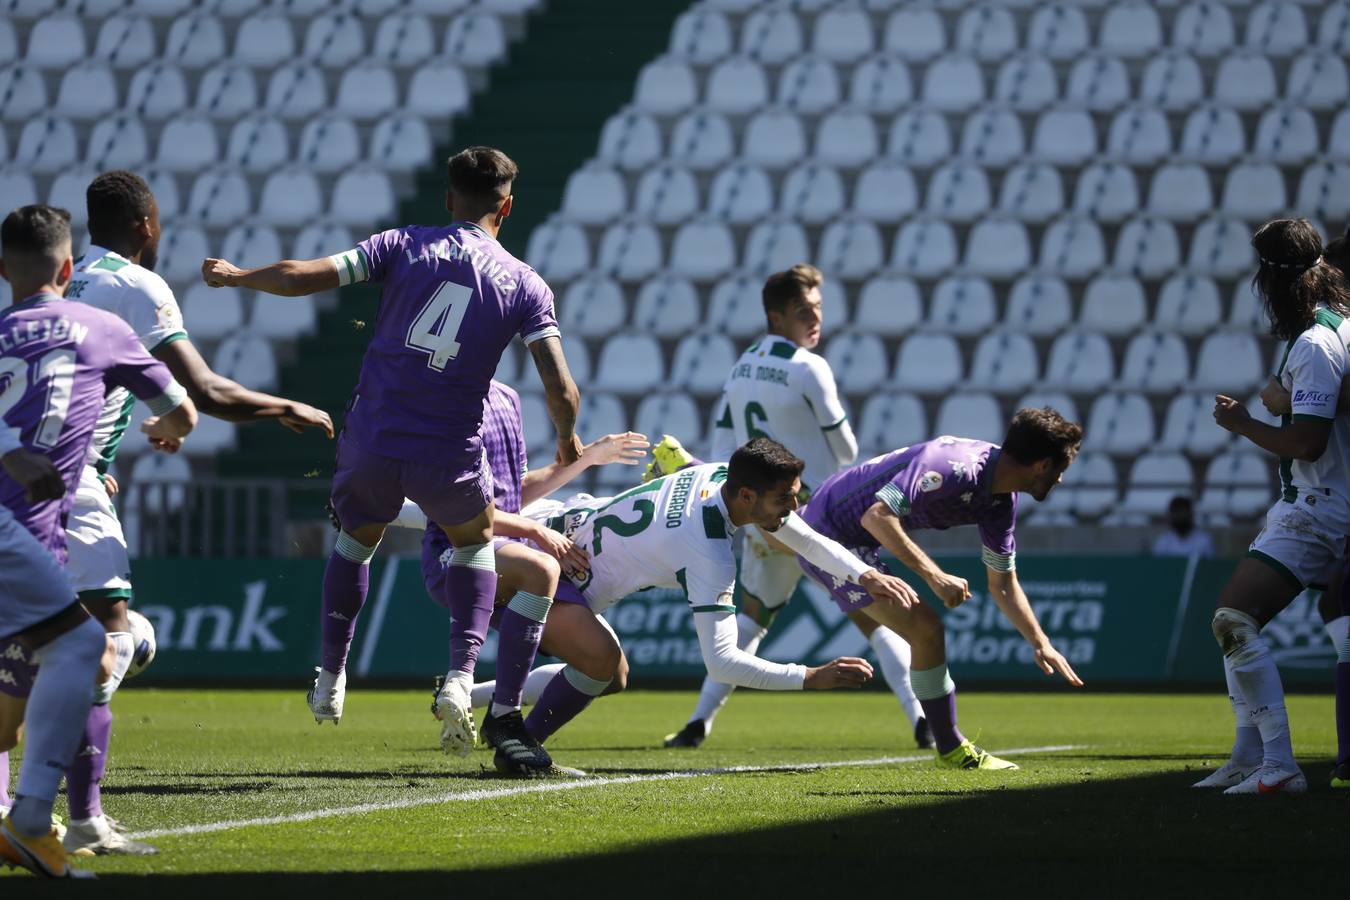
x,y
453,299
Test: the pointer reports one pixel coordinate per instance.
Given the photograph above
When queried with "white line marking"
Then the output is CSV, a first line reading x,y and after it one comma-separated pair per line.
x,y
548,787
372,639
1183,603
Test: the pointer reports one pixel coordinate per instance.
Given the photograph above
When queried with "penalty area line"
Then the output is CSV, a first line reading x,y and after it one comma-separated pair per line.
x,y
548,787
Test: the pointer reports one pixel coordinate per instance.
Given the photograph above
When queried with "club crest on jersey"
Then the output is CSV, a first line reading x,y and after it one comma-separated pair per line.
x,y
930,481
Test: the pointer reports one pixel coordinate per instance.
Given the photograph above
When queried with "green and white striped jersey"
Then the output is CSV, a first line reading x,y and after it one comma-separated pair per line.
x,y
1311,371
144,301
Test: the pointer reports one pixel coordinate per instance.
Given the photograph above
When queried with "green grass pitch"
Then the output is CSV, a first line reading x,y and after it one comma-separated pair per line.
x,y
1108,817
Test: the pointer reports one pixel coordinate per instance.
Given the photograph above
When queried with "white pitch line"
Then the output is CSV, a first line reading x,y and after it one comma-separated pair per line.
x,y
547,787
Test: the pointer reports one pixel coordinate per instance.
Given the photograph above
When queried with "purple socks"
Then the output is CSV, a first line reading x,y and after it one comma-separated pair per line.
x,y
562,701
941,716
346,582
470,589
519,630
1343,707
91,760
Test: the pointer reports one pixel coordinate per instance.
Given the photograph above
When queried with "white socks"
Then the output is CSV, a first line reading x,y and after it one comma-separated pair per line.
x,y
893,654
1338,629
1247,737
714,694
1258,679
535,683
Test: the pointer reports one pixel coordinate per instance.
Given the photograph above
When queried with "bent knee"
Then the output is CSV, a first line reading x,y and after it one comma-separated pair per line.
x,y
620,682
1235,631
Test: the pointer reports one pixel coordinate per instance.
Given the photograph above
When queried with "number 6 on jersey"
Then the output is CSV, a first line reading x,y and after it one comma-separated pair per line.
x,y
436,328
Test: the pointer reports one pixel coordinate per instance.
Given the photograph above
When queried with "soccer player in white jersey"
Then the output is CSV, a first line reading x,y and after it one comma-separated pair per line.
x,y
116,274
1307,302
780,389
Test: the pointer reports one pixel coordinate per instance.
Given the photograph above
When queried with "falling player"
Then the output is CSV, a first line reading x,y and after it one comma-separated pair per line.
x,y
57,358
453,300
117,275
1307,302
780,389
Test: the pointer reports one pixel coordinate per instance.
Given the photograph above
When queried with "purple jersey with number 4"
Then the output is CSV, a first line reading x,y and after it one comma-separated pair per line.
x,y
937,484
57,360
453,299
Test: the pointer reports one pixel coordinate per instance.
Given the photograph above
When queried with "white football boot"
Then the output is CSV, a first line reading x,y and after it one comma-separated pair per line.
x,y
1283,779
1227,775
97,837
327,695
454,709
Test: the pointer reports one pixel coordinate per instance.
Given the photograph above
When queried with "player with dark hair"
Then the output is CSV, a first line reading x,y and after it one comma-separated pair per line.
x,y
57,359
453,299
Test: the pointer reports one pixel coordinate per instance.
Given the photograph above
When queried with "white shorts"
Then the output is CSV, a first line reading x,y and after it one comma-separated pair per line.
x,y
33,587
767,572
1305,538
98,566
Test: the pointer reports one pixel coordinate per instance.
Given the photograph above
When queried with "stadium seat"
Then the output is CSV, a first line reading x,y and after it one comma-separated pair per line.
x,y
1065,137
1088,491
993,136
291,197
125,42
1318,81
1237,483
850,249
361,196
1338,142
974,416
210,314
774,245
1027,83
297,91
24,92
1221,248
1203,28
809,85
962,305
401,143
843,35
701,37
630,250
1322,190
1213,135
953,83
163,476
701,140
928,364
404,40
9,41
247,359
665,87
667,307
475,39
1155,478
1139,136
885,192
187,144
181,251
1120,424
1032,192
703,250
16,188
284,319
669,413
1147,247
46,144
537,428
1114,304
1229,363
847,138
1254,191
157,92
1246,312
558,250
265,40
774,139
594,195
1189,426
1130,30
329,143
915,33
87,91
888,306
735,308
67,192
228,92
1244,81
579,362
736,86
1287,134
1155,362
812,194
997,247
29,9
987,32
600,414
1058,31
117,142
336,40
251,246
220,197
258,144
772,36
438,90
1172,81
1072,246
1276,28
1080,362
1056,400
919,137
924,247
367,90
1189,305
630,364
1099,83
1004,364
1106,192
1333,31
743,194
858,361
56,42
210,437
958,192
591,306
881,84
632,141
321,239
890,421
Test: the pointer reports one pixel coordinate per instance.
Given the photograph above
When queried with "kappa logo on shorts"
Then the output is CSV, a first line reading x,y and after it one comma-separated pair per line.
x,y
7,677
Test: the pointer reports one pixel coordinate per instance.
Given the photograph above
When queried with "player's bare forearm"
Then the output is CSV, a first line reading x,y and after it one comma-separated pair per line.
x,y
505,524
560,391
541,482
884,525
286,278
1301,439
1012,601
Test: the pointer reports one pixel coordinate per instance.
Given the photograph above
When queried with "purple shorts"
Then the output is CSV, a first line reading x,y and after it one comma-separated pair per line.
x,y
436,552
369,488
17,669
849,597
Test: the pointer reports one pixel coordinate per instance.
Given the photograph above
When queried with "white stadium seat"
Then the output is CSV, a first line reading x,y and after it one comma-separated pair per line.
x,y
125,42
1139,136
297,91
701,140
843,34
1246,312
1203,28
1099,83
919,137
701,36
362,196
284,319
1080,362
1254,191
1113,304
1238,483
669,413
630,250
702,250
475,39
915,33
888,305
1245,80
986,31
46,144
737,86
1155,362
1180,192
258,144
890,421
774,139
1155,478
928,364
401,143
1088,491
962,305
1322,190
157,92
924,247
227,91
29,9
592,306
181,251
1058,31
1189,305
1120,424
247,359
335,40
885,192
117,142
252,246
87,91
1287,134
630,140
594,195
1130,30
405,40
1276,28
1189,426
858,361
881,84
631,364
666,307
1318,81
809,85
734,307
438,90
56,42
1333,31
265,39
1065,137
1027,83
958,192
665,87
993,136
997,247
772,36
1172,81
1072,246
322,239
851,249
291,197
558,250
16,188
953,83
23,90
67,192
847,138
974,416
211,314
812,193
1056,400
1004,363
329,143
210,437
774,245
167,473
1032,192
742,194
1213,135
1106,192
1229,363
1220,247
600,414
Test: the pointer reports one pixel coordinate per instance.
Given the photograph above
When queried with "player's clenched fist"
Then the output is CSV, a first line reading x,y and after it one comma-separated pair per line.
x,y
220,272
844,672
951,590
1230,413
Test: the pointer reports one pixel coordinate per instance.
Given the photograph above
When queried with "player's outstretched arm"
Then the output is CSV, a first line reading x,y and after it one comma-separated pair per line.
x,y
628,449
287,278
1012,601
558,546
561,395
1304,439
882,523
729,664
832,557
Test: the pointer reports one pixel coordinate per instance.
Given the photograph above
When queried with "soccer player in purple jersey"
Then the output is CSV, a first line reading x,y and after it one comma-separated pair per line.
x,y
453,299
57,360
941,484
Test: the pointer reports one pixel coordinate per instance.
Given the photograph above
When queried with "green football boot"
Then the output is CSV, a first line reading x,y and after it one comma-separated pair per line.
x,y
968,756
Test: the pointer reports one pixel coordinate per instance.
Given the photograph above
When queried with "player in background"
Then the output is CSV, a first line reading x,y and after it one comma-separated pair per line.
x,y
944,483
1307,302
453,299
116,274
780,389
57,359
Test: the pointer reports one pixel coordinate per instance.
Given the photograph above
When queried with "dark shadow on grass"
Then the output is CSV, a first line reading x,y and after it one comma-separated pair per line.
x,y
1145,836
170,790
